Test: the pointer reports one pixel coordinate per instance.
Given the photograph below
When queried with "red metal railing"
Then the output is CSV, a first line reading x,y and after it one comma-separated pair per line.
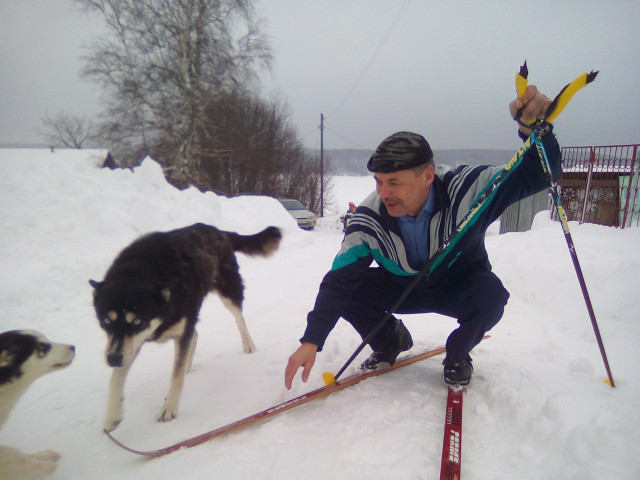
x,y
601,184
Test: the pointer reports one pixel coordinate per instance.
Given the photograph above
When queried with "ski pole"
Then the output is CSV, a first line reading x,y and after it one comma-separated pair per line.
x,y
557,201
558,104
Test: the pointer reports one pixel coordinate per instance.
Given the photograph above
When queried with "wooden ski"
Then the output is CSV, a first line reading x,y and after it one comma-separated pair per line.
x,y
275,410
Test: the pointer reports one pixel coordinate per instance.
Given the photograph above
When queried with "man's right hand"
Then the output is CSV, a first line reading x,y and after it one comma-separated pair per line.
x,y
305,357
533,105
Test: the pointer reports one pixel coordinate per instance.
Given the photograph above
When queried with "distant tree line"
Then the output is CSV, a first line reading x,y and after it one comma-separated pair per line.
x,y
179,82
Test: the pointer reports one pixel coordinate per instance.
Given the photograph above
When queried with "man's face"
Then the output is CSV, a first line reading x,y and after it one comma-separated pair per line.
x,y
406,191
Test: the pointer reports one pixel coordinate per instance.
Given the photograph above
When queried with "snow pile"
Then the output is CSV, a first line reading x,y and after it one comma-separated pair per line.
x,y
537,409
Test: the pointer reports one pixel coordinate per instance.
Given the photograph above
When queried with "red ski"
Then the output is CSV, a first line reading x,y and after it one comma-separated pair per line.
x,y
452,443
270,412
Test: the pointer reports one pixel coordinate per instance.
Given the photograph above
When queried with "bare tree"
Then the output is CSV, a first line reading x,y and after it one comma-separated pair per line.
x,y
177,78
251,148
161,61
65,130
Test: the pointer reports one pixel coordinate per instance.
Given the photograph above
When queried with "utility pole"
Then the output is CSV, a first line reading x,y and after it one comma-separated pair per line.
x,y
321,165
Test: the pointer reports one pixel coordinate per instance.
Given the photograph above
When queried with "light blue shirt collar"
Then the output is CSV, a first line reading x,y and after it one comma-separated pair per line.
x,y
415,233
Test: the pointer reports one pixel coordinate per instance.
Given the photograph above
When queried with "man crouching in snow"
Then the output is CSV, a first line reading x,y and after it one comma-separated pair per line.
x,y
401,225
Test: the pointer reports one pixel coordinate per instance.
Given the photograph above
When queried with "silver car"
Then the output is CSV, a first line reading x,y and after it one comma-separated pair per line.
x,y
305,218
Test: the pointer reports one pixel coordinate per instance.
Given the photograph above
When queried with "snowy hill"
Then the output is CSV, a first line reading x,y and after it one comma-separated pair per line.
x,y
537,409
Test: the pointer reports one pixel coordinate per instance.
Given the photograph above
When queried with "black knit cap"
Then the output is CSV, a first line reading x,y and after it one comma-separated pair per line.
x,y
400,151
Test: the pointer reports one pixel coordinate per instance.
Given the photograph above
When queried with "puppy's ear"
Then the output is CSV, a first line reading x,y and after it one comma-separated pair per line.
x,y
95,284
7,357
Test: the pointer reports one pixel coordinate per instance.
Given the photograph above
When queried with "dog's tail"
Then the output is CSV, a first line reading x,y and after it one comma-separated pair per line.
x,y
264,243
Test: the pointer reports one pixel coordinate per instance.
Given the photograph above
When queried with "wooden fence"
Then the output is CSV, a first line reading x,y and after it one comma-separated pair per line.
x,y
599,185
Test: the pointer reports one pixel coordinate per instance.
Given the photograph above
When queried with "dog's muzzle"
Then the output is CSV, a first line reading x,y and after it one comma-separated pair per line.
x,y
114,354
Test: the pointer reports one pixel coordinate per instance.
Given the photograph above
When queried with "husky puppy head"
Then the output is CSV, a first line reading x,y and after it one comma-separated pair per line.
x,y
26,355
129,314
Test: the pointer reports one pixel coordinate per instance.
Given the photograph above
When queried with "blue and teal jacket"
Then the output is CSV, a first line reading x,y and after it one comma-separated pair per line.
x,y
372,234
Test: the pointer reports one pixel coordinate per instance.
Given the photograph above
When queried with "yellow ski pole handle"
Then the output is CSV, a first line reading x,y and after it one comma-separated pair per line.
x,y
565,95
561,100
521,80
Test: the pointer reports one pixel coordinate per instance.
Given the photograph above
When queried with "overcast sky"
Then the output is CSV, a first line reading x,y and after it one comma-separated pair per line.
x,y
373,67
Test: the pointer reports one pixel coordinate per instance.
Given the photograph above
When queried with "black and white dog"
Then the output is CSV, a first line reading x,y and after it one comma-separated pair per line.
x,y
153,291
25,356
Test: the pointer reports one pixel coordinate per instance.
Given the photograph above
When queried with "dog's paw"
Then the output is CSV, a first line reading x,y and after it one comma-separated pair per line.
x,y
110,424
166,413
48,455
248,347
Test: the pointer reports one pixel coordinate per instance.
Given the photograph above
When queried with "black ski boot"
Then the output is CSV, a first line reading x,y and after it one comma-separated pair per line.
x,y
457,373
400,342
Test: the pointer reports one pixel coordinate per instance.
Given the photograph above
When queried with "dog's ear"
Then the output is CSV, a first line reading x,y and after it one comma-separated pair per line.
x,y
95,284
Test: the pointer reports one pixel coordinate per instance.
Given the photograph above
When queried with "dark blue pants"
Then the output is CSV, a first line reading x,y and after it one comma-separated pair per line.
x,y
476,300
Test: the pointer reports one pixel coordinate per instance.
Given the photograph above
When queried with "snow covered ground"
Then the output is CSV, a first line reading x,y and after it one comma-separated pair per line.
x,y
538,407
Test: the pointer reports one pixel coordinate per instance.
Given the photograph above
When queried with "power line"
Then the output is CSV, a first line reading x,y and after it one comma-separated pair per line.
x,y
394,24
345,138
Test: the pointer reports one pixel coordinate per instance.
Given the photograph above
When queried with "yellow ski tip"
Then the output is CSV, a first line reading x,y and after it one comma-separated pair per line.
x,y
328,378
